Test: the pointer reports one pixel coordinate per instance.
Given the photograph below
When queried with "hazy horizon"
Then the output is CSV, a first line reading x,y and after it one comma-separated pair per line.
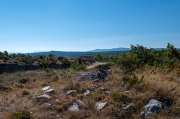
x,y
84,25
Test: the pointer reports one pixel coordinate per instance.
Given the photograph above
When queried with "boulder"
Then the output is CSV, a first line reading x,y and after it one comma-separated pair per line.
x,y
152,107
73,107
86,76
101,105
100,75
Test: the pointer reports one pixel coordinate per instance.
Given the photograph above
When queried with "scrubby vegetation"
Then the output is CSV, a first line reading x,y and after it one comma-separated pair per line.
x,y
136,77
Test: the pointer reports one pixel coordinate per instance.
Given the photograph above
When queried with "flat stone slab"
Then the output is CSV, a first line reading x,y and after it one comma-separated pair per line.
x,y
46,88
69,92
50,91
100,105
44,96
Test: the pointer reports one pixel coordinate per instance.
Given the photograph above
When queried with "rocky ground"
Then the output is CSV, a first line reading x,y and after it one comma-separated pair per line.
x,y
91,94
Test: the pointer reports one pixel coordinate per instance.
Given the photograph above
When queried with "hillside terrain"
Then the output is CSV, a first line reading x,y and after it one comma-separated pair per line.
x,y
142,83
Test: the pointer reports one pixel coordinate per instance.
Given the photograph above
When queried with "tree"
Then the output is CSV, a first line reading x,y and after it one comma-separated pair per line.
x,y
99,57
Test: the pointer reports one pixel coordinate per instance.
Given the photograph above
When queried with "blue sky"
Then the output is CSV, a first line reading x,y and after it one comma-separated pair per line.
x,y
82,25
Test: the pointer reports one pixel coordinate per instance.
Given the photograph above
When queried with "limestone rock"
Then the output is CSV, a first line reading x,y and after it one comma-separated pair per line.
x,y
44,96
152,107
127,106
100,105
69,92
86,76
46,88
80,102
87,92
73,107
49,91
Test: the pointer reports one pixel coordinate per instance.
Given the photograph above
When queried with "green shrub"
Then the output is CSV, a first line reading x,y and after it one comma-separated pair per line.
x,y
104,66
20,115
118,96
23,80
128,62
132,81
76,66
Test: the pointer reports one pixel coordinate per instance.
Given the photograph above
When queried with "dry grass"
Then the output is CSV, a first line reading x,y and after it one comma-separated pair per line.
x,y
19,94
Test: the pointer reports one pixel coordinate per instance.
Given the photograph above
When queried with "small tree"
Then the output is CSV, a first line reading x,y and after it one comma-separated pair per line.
x,y
99,57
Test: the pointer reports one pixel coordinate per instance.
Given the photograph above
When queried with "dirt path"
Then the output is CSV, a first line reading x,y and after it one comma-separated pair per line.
x,y
95,64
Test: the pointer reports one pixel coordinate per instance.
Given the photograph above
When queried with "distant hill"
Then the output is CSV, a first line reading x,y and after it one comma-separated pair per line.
x,y
112,49
75,55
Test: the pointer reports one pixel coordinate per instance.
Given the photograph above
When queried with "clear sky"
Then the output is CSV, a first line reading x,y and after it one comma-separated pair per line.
x,y
82,25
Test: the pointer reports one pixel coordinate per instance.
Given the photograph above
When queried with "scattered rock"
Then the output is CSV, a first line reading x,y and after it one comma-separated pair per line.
x,y
100,75
48,105
152,107
86,76
46,88
96,80
127,106
57,100
44,96
87,92
107,92
73,107
103,89
100,106
108,72
49,91
127,91
80,102
106,80
92,88
166,104
69,92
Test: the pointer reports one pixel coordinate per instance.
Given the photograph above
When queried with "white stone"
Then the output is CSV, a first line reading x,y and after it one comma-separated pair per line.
x,y
100,106
44,96
87,92
46,88
74,107
126,106
49,91
70,92
80,102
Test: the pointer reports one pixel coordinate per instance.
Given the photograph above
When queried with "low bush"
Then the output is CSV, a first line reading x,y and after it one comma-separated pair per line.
x,y
76,66
23,80
20,115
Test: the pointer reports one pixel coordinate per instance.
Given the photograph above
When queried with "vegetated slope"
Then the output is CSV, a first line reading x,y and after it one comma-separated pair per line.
x,y
20,92
135,78
75,55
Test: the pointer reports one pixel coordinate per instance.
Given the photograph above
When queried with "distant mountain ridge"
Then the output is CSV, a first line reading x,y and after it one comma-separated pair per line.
x,y
112,49
76,54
